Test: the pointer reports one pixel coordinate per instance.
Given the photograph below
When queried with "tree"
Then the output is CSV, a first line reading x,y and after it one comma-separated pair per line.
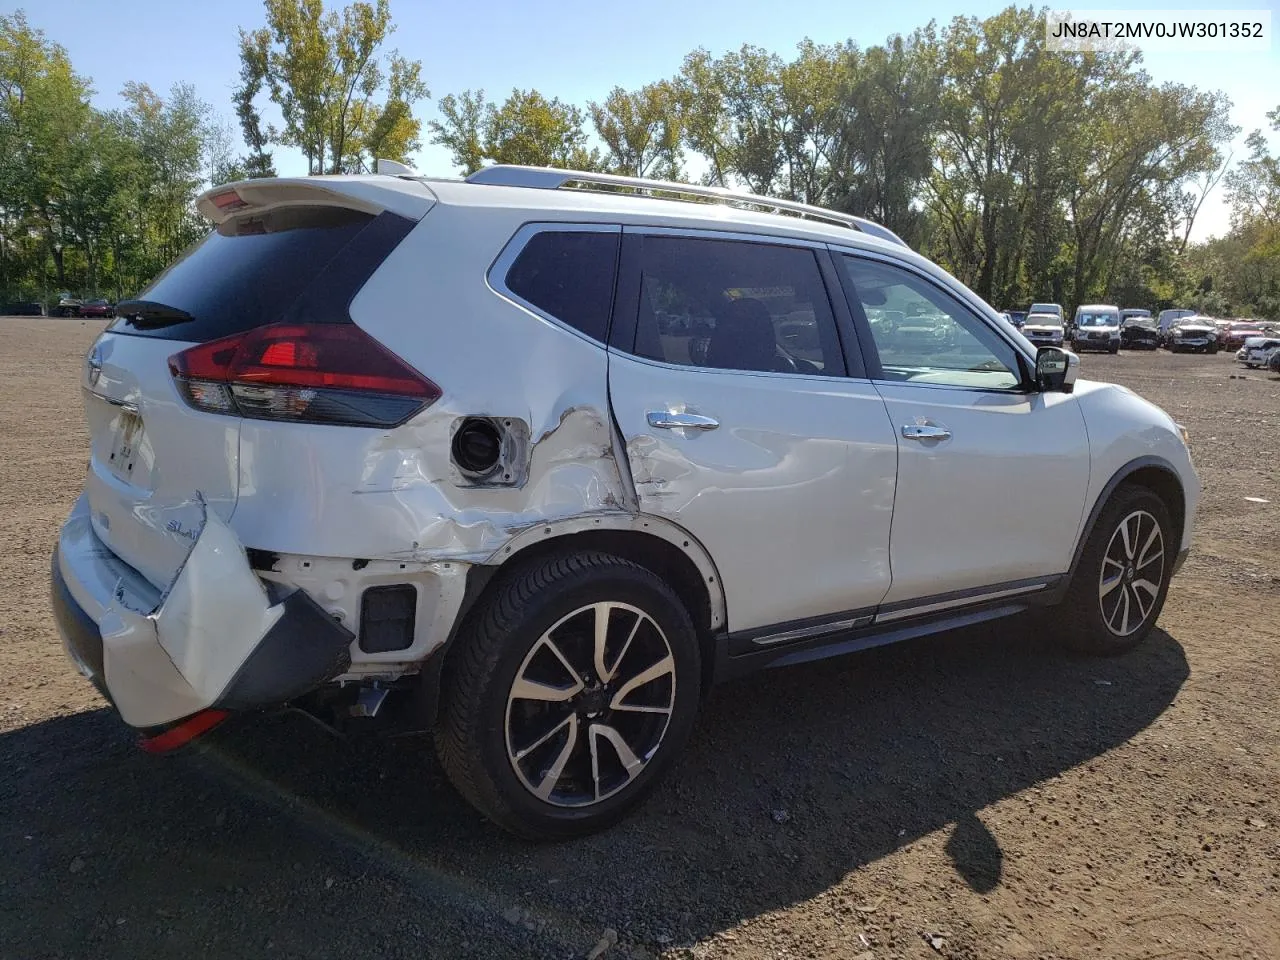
x,y
885,116
169,137
324,72
44,111
526,129
1136,142
462,129
641,130
1253,188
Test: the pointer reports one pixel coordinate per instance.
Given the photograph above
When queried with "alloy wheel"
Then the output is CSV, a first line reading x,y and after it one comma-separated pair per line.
x,y
1132,573
590,704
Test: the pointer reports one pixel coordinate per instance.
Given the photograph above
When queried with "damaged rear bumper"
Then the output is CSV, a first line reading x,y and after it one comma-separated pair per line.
x,y
216,637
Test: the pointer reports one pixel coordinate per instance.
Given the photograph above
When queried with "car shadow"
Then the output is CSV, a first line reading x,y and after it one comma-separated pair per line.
x,y
794,778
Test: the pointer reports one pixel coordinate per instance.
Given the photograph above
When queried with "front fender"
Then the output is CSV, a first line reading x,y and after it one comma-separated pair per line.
x,y
1128,434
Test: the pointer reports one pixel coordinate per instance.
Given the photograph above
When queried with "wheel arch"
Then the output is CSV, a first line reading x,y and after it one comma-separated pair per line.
x,y
1157,475
652,542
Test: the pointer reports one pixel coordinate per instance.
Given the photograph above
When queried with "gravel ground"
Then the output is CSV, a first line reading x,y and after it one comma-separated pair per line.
x,y
979,794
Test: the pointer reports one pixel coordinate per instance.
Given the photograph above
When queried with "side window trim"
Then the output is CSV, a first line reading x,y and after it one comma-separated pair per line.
x,y
496,275
624,332
846,330
875,370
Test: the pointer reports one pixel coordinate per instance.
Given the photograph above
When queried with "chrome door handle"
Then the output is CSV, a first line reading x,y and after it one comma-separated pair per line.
x,y
666,420
925,431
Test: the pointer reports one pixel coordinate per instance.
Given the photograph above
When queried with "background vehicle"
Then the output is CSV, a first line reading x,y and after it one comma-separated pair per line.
x,y
1129,312
1044,329
1257,351
25,308
347,511
1192,334
1096,327
1017,317
98,308
1139,333
66,306
1238,332
1054,310
1167,317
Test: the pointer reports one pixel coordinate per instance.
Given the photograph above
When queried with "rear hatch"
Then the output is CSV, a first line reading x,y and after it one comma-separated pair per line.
x,y
285,252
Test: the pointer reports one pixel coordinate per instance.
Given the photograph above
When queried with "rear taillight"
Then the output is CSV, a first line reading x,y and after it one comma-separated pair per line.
x,y
305,373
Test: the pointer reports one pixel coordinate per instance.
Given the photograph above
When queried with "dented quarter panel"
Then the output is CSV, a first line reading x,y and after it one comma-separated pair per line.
x,y
394,494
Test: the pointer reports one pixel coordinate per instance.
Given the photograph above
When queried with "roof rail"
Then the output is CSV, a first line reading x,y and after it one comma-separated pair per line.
x,y
550,178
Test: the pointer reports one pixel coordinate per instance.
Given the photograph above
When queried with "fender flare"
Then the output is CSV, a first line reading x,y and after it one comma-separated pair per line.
x,y
1119,477
623,521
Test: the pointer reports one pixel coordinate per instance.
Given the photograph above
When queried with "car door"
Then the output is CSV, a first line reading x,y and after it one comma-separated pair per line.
x,y
992,475
728,383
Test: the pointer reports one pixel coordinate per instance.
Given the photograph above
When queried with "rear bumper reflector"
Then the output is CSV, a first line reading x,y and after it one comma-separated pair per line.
x,y
184,732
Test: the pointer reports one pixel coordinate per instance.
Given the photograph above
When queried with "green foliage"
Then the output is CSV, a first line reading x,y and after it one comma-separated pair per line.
x,y
324,73
641,131
526,128
90,201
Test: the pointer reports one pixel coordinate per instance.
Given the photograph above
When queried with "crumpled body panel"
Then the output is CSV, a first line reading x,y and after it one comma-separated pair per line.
x,y
167,656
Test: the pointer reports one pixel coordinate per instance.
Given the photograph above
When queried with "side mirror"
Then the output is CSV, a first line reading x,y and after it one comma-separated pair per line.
x,y
1056,370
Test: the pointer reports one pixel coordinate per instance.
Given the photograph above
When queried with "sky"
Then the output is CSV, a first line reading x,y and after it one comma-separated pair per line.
x,y
577,49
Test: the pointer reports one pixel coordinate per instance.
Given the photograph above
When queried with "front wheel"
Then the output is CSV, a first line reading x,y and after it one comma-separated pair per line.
x,y
1120,584
570,695
1115,348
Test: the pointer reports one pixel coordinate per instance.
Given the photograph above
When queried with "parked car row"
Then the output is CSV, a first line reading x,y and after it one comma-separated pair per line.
x,y
1110,328
64,306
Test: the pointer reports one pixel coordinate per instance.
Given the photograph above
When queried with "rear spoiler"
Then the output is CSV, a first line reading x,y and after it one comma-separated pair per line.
x,y
370,193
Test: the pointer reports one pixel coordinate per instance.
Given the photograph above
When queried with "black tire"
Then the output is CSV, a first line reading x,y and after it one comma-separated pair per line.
x,y
502,643
1083,623
1114,348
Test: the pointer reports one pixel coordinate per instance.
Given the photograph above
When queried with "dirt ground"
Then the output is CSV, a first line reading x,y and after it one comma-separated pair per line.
x,y
975,795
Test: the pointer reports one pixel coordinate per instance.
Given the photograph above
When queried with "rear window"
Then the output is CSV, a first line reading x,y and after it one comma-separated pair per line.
x,y
296,263
568,274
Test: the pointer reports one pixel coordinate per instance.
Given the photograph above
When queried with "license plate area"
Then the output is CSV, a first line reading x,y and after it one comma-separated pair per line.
x,y
126,442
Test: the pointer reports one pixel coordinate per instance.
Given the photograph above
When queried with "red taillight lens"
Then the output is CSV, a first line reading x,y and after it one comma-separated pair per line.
x,y
228,200
312,373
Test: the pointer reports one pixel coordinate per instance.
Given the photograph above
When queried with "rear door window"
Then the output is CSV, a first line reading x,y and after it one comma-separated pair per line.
x,y
735,305
568,275
264,268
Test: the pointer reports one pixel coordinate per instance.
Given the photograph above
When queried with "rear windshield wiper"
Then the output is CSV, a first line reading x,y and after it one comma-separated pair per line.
x,y
150,313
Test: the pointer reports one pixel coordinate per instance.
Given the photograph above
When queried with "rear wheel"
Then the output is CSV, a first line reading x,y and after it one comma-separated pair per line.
x,y
1120,584
569,696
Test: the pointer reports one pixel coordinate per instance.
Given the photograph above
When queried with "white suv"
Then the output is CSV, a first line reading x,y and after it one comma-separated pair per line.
x,y
533,459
